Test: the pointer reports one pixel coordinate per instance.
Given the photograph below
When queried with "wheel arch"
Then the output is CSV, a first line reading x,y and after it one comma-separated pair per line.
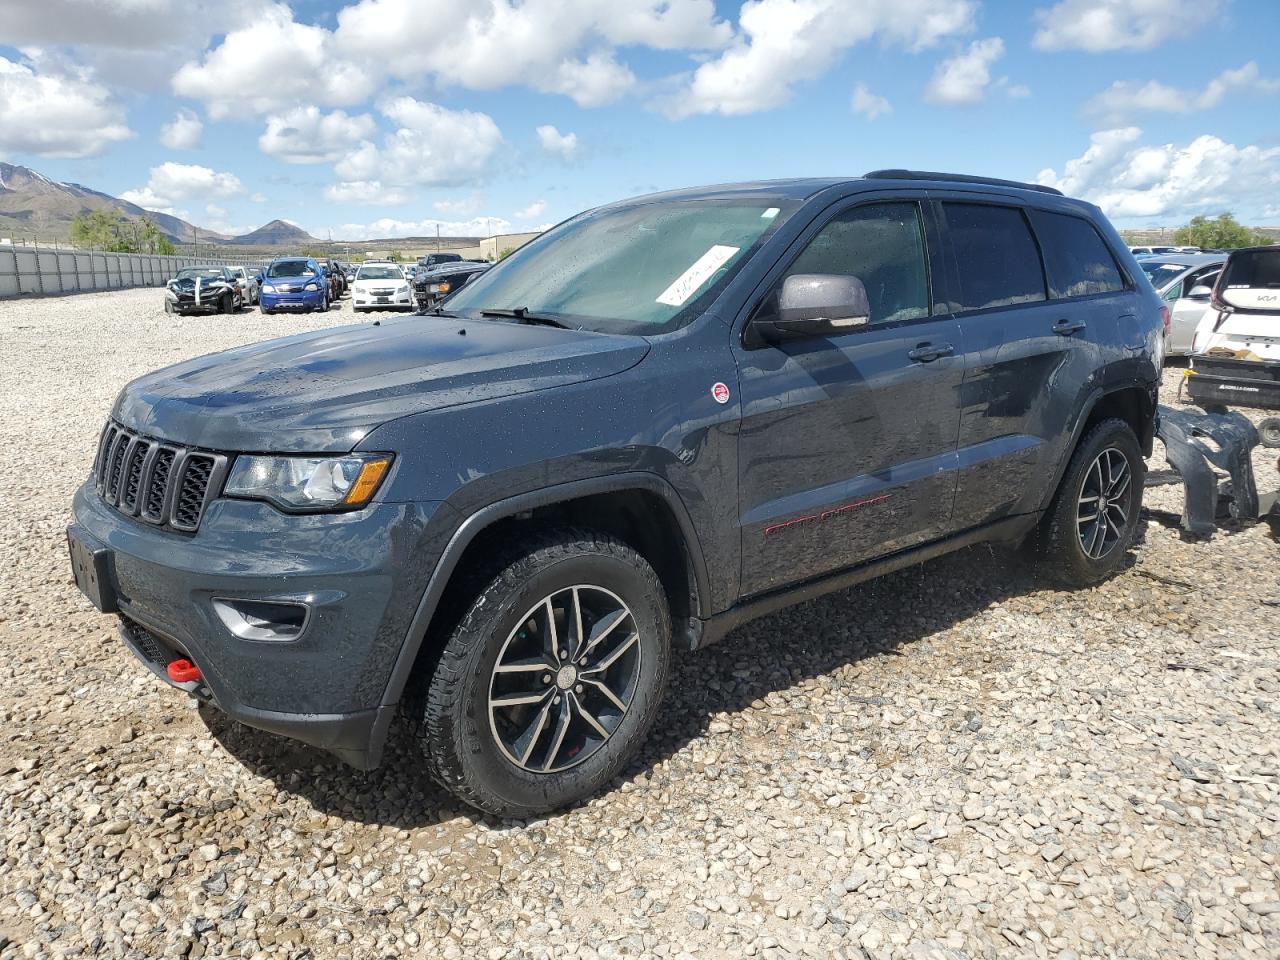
x,y
614,504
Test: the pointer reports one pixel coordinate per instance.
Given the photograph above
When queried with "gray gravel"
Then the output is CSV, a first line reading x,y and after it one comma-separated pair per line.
x,y
952,762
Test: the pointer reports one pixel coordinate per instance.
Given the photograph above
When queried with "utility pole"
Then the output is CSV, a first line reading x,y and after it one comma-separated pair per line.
x,y
437,238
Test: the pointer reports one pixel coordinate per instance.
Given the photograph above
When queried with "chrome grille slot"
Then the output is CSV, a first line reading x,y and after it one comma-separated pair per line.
x,y
163,484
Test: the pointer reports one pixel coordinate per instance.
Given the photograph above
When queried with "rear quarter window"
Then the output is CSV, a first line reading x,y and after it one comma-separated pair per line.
x,y
1078,260
996,255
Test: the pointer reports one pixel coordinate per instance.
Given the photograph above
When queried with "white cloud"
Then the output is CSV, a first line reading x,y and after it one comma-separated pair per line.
x,y
532,212
213,210
389,228
171,183
563,145
258,198
431,146
963,79
460,208
1126,98
271,64
124,24
306,135
183,133
1097,26
781,43
868,104
368,192
1129,179
56,114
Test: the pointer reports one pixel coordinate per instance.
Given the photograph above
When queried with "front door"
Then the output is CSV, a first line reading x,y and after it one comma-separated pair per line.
x,y
847,444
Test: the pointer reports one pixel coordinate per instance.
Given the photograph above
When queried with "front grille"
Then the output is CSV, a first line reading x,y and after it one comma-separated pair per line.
x,y
158,482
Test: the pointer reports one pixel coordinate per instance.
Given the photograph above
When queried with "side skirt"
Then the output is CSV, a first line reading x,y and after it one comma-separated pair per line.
x,y
714,629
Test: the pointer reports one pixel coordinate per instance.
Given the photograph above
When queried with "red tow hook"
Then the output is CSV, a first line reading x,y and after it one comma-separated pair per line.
x,y
183,671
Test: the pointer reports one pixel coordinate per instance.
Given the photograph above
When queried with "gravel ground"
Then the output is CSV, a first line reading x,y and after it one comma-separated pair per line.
x,y
951,762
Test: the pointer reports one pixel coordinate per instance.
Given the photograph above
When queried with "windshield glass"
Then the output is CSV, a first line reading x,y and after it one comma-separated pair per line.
x,y
1256,268
644,268
379,273
289,268
205,273
1162,274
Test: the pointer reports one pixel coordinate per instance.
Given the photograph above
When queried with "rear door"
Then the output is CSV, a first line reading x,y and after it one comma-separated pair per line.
x,y
847,443
1032,344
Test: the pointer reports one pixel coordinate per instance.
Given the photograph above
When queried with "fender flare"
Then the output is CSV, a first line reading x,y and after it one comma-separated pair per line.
x,y
531,500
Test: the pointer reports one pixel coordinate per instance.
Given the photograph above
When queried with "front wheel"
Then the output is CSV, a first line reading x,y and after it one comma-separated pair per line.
x,y
552,678
1091,524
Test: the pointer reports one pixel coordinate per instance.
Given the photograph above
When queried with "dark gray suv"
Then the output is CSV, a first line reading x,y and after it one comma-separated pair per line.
x,y
656,421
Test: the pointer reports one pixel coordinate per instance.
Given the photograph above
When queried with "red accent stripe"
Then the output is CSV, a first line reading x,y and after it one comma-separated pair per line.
x,y
826,514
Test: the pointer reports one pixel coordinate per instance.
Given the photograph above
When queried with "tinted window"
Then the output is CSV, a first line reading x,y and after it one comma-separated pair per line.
x,y
997,257
1078,260
1255,268
883,246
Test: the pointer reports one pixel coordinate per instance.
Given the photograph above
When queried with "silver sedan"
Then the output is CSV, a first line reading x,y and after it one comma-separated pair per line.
x,y
1181,280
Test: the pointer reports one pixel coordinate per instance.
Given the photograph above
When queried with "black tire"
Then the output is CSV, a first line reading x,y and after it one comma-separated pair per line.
x,y
459,734
1269,432
226,303
1060,540
168,305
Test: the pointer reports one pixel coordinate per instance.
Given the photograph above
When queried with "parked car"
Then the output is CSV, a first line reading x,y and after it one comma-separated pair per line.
x,y
246,283
338,278
380,285
203,290
1236,354
1151,251
435,259
294,283
433,284
656,421
1178,279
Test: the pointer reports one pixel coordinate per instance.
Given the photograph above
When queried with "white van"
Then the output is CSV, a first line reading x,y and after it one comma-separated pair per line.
x,y
1236,351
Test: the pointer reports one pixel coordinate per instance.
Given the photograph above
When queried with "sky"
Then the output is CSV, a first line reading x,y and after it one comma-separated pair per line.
x,y
385,118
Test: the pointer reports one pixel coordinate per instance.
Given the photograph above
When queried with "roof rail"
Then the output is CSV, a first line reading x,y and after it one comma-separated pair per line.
x,y
957,178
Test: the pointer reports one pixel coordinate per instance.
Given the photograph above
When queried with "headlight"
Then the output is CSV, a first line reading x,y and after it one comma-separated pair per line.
x,y
309,483
311,286
439,288
268,288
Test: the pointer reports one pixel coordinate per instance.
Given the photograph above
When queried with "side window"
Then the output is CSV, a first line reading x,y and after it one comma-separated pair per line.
x,y
996,256
1079,262
881,244
1174,292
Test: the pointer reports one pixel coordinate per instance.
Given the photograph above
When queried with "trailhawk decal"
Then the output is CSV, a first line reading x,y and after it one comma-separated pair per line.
x,y
825,515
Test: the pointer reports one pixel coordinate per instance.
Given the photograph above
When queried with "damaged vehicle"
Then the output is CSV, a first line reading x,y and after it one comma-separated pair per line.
x,y
203,290
1236,352
433,284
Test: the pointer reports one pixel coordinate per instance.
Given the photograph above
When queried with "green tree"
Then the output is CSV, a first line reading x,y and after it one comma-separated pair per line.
x,y
1223,232
395,256
110,230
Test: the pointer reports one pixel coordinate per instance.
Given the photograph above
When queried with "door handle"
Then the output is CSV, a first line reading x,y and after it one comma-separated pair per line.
x,y
929,352
1065,328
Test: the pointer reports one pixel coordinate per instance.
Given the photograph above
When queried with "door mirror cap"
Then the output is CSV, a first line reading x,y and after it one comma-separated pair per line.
x,y
816,305
1200,292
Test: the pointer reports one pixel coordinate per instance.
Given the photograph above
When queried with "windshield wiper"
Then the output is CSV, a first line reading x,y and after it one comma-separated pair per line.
x,y
524,316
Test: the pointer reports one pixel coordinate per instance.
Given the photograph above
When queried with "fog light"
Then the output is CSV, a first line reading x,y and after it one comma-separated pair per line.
x,y
269,620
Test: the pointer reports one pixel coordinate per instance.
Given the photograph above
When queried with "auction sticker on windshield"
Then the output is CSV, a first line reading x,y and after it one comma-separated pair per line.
x,y
688,282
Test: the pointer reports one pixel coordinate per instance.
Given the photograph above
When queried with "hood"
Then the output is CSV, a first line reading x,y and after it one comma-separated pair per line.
x,y
323,391
188,284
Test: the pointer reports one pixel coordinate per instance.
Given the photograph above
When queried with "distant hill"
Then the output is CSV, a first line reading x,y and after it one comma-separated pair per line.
x,y
277,233
32,205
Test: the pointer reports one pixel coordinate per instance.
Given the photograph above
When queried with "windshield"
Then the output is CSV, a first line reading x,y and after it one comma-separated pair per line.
x,y
1255,268
204,273
644,268
289,268
1162,274
379,273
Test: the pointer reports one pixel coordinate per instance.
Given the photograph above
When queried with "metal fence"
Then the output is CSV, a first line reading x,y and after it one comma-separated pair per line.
x,y
49,270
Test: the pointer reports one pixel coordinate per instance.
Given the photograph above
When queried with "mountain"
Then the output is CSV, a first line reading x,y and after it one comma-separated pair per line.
x,y
277,233
32,205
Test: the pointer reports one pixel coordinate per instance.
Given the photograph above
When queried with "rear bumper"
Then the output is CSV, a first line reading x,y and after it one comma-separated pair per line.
x,y
1241,383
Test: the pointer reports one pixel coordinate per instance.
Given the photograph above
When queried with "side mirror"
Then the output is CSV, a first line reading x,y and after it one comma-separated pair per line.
x,y
816,305
1200,292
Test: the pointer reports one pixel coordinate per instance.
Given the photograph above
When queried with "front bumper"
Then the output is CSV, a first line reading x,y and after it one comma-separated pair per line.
x,y
1229,382
398,301
360,575
307,300
188,305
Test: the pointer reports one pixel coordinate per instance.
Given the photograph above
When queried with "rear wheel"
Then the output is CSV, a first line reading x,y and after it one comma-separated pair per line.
x,y
1090,526
552,678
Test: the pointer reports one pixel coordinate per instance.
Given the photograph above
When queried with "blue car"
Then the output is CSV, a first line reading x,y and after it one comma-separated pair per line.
x,y
294,283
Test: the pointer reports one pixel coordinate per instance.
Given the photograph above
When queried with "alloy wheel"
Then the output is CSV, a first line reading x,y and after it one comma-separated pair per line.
x,y
564,679
1102,511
